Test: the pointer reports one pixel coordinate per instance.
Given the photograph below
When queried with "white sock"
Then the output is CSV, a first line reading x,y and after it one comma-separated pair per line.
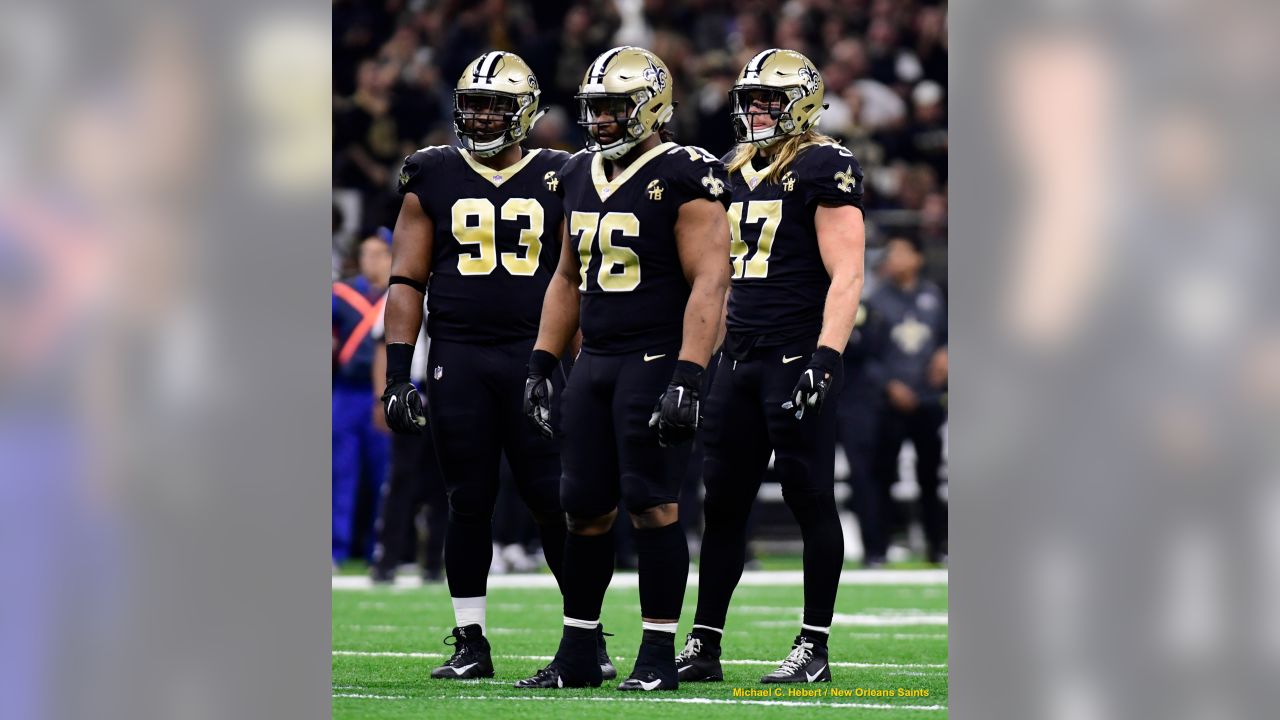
x,y
660,627
823,630
585,624
717,631
469,611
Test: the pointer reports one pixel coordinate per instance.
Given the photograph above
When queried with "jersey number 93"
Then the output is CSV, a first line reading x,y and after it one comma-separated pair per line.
x,y
473,225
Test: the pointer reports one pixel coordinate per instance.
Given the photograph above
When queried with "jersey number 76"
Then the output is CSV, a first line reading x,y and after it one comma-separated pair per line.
x,y
619,266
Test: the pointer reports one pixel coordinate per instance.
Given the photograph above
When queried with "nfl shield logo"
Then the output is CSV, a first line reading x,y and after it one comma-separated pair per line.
x,y
439,372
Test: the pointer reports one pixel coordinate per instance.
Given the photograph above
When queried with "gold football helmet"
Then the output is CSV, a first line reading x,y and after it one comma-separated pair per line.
x,y
624,98
496,103
782,84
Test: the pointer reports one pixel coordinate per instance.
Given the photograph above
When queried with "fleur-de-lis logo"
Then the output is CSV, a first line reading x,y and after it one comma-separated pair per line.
x,y
910,335
789,181
655,189
845,179
551,180
808,78
655,75
404,178
714,185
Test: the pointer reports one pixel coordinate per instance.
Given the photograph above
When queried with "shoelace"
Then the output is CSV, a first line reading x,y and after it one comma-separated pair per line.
x,y
460,648
543,674
691,649
800,656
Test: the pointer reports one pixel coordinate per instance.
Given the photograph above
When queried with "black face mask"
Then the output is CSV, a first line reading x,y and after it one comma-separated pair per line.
x,y
742,111
471,108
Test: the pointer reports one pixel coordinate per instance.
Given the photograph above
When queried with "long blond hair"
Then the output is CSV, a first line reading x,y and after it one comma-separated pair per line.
x,y
787,153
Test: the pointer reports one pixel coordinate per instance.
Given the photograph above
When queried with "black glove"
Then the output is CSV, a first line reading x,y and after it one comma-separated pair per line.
x,y
538,391
811,389
403,408
400,402
677,413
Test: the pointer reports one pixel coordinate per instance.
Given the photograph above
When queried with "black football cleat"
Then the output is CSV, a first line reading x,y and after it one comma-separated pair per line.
x,y
607,670
807,663
649,680
655,668
551,677
575,665
698,662
471,658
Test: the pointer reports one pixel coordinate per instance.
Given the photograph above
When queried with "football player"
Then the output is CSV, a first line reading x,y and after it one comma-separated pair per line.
x,y
797,255
481,224
643,271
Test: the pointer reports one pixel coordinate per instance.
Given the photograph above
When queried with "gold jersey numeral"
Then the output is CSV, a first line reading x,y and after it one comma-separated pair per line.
x,y
757,266
480,247
619,266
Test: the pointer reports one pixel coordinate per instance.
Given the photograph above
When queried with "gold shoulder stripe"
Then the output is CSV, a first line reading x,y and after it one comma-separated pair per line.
x,y
497,177
606,188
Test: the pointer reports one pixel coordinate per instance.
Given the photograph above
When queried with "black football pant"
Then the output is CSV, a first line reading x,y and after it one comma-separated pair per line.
x,y
923,429
857,427
475,397
611,455
744,423
415,481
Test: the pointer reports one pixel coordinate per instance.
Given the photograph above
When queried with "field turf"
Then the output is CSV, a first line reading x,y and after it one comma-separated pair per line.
x,y
887,635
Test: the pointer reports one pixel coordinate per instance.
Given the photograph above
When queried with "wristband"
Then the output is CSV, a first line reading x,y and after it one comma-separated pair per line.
x,y
399,362
542,363
826,358
688,374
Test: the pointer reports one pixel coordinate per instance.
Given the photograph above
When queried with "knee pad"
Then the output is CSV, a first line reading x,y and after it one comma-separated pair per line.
x,y
576,505
542,498
638,497
808,499
471,505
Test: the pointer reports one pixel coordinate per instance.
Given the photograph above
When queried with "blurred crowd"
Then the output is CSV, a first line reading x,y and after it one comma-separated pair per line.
x,y
884,62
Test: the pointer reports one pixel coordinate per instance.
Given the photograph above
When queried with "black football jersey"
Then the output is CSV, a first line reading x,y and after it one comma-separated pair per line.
x,y
496,243
779,283
632,284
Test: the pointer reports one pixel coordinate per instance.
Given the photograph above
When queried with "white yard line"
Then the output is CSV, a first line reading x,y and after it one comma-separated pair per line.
x,y
714,701
895,636
547,658
682,701
868,621
759,578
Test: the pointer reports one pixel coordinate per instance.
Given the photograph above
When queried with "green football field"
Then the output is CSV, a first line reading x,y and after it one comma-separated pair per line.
x,y
889,634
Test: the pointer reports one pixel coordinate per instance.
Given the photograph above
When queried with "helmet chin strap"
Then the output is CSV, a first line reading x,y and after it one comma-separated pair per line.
x,y
617,150
503,142
622,147
763,141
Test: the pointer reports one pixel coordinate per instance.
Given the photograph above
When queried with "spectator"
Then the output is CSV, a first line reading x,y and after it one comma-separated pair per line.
x,y
927,140
359,450
915,372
